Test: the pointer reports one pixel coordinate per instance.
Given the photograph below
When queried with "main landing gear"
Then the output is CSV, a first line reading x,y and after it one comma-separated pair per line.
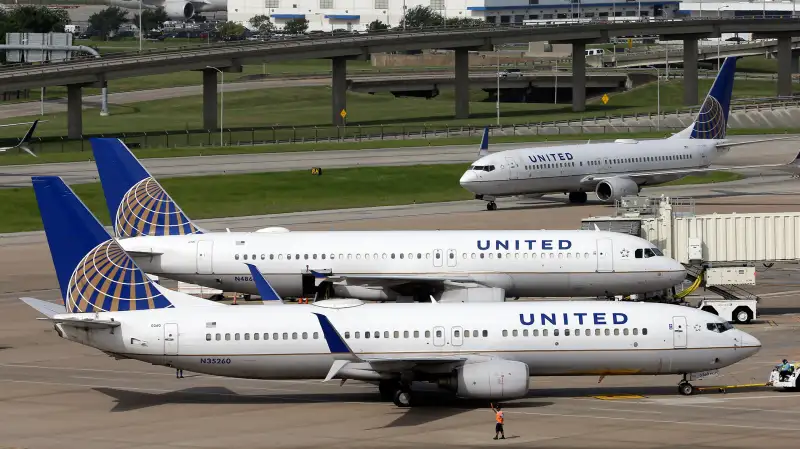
x,y
491,205
578,197
397,392
684,387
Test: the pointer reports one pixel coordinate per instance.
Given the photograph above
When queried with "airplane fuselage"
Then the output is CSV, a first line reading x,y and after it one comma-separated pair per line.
x,y
551,337
381,265
567,168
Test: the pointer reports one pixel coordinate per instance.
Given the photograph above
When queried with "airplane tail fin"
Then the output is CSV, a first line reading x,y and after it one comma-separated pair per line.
x,y
712,120
484,150
26,139
137,203
94,273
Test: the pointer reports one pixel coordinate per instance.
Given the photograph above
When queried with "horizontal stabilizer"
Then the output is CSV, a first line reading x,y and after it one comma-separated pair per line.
x,y
46,308
85,323
139,253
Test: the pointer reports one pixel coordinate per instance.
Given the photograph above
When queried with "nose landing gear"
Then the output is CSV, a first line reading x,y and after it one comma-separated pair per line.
x,y
684,387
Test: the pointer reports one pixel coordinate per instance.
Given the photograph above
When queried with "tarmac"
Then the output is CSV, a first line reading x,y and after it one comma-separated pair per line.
x,y
59,394
777,152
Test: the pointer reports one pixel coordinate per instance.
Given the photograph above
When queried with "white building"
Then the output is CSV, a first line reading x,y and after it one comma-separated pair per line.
x,y
328,15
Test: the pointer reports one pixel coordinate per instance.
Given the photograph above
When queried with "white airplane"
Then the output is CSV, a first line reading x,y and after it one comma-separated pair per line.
x,y
26,139
372,265
481,351
176,9
617,169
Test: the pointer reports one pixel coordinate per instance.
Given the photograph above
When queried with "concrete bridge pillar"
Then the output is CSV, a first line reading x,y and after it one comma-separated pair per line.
x,y
210,99
338,90
690,97
74,111
579,76
462,83
795,62
785,66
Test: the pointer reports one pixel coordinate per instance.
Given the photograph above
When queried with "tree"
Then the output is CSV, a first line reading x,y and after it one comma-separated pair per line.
x,y
151,19
422,16
108,21
262,25
230,30
463,22
296,26
34,19
377,25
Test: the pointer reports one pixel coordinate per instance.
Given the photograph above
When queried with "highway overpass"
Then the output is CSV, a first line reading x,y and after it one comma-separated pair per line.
x,y
231,56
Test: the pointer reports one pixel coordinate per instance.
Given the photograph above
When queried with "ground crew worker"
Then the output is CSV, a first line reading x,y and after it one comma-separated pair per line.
x,y
500,419
178,373
785,370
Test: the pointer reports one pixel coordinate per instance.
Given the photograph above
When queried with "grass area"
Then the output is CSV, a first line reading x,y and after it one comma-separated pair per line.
x,y
710,178
757,64
242,195
309,106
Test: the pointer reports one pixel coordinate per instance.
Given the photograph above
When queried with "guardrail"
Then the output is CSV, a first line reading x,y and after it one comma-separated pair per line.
x,y
357,133
335,38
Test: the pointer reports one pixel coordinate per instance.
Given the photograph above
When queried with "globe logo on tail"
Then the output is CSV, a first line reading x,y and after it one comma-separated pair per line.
x,y
711,122
107,280
146,209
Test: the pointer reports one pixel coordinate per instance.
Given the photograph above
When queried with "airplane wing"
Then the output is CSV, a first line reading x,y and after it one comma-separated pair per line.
x,y
393,280
791,167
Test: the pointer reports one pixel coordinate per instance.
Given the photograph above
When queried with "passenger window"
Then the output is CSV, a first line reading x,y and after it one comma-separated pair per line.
x,y
555,332
456,333
227,337
244,256
485,333
405,334
285,335
416,334
616,331
644,331
263,256
377,334
294,335
514,333
396,334
625,331
266,336
358,334
208,337
367,334
597,332
566,332
635,331
577,332
524,332
305,335
536,332
427,334
588,332
274,335
347,334
255,336
236,257
607,332
438,334
505,333
316,335
544,332
247,336
218,337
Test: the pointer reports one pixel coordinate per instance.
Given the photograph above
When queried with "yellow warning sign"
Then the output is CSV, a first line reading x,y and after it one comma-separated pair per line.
x,y
605,98
630,43
343,113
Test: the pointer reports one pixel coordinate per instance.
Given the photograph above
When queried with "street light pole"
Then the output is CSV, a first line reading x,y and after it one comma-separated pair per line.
x,y
221,103
497,105
140,26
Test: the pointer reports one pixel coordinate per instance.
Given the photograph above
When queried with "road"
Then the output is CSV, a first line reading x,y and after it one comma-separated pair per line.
x,y
86,172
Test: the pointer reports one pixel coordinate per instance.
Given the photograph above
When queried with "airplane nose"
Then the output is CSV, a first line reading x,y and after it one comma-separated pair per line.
x,y
751,342
468,178
675,271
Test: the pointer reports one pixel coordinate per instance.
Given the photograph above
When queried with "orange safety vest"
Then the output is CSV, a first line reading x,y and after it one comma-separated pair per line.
x,y
499,417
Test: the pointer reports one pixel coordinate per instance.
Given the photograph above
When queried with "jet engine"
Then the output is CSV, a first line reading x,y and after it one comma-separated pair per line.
x,y
179,10
493,379
614,189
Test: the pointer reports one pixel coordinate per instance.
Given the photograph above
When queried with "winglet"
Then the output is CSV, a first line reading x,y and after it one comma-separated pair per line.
x,y
336,343
433,300
268,294
318,275
23,144
484,150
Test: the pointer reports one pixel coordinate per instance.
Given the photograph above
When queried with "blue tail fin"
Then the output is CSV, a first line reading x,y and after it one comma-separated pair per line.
x,y
712,120
484,150
94,273
137,203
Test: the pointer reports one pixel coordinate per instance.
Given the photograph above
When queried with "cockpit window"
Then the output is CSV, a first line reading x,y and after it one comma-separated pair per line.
x,y
719,327
647,252
482,167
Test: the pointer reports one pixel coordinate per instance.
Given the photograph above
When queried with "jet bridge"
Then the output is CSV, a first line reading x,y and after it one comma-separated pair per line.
x,y
720,250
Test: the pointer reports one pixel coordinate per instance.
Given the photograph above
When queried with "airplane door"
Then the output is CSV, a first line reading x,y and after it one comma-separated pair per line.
x,y
452,258
679,331
171,339
513,168
605,256
437,258
204,252
438,336
457,337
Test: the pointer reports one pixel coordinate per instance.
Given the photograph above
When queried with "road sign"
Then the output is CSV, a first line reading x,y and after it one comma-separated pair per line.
x,y
605,98
343,113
